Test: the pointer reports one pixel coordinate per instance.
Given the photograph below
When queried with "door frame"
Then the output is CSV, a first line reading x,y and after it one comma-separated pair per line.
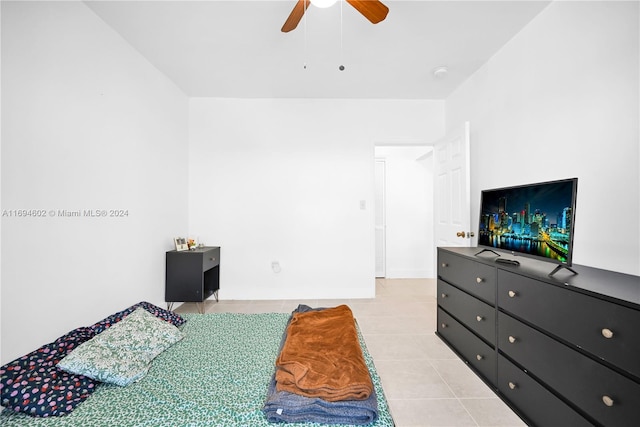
x,y
380,228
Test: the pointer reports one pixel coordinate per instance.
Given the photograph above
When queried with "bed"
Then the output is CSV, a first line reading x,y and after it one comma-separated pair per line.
x,y
219,373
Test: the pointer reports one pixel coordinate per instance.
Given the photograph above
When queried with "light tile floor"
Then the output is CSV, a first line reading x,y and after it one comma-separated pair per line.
x,y
425,383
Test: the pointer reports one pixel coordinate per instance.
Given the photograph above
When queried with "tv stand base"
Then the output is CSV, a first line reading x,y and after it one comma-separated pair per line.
x,y
560,267
488,250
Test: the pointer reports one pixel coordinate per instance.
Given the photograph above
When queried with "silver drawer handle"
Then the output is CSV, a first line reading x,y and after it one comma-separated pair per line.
x,y
607,400
512,339
512,294
479,280
444,325
479,357
512,386
444,295
444,264
607,333
479,318
212,259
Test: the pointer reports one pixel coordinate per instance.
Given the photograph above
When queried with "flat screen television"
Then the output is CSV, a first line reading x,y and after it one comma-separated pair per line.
x,y
534,220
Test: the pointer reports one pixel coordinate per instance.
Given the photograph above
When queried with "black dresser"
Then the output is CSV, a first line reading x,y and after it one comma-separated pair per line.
x,y
561,350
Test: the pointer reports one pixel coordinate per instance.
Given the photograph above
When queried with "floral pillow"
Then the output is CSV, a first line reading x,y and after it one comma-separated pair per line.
x,y
122,353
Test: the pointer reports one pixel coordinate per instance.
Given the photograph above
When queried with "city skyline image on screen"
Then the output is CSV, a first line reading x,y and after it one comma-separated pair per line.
x,y
535,220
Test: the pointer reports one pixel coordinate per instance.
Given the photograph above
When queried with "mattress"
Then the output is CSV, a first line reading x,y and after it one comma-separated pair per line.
x,y
218,375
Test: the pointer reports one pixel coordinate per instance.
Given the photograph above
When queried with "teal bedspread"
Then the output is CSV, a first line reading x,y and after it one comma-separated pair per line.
x,y
217,375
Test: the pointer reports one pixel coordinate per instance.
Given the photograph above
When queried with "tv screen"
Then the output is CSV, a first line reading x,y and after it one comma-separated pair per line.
x,y
535,220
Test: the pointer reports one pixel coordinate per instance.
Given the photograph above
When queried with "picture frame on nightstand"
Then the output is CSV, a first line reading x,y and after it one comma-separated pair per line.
x,y
181,244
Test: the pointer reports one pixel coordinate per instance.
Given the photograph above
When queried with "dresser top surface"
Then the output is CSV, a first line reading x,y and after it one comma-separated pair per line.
x,y
613,285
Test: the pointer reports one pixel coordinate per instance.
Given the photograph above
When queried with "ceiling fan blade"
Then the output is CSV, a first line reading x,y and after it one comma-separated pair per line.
x,y
296,15
373,10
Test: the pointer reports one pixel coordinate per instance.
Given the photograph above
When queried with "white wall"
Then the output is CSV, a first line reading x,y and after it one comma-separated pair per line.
x,y
87,124
282,180
408,211
560,100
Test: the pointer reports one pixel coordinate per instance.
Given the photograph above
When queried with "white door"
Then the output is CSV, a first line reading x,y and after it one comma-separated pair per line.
x,y
452,203
380,218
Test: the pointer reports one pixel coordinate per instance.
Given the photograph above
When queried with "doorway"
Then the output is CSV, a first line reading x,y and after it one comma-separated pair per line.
x,y
404,211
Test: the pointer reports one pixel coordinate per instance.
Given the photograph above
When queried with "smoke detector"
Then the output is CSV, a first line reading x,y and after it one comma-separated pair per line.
x,y
440,72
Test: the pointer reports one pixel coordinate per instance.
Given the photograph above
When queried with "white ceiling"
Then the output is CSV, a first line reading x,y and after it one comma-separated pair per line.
x,y
235,49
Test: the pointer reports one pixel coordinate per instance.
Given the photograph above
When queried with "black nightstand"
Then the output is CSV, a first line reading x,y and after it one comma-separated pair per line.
x,y
192,276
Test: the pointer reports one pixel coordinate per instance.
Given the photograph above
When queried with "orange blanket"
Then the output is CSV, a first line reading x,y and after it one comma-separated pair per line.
x,y
321,357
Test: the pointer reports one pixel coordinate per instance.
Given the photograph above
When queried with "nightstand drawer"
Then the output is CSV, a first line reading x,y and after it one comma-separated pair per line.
x,y
475,314
473,277
610,398
529,396
605,329
211,258
472,349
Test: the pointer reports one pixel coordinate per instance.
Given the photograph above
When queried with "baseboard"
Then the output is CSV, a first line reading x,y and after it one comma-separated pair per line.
x,y
409,274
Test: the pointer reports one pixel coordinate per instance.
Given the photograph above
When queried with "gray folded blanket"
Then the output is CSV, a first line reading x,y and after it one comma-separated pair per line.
x,y
283,406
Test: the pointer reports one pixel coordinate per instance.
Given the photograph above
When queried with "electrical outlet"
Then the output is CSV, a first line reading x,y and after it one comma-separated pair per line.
x,y
275,266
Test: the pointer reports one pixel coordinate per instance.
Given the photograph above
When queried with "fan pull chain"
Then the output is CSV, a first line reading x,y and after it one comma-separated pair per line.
x,y
341,67
305,36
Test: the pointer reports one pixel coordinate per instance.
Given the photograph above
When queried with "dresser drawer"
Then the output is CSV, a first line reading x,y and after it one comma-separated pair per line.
x,y
473,277
603,328
475,314
472,349
529,397
605,395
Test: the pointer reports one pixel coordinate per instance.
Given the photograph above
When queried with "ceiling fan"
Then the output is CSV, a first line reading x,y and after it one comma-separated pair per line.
x,y
373,10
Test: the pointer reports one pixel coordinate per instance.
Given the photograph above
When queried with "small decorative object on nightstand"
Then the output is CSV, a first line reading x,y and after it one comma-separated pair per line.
x,y
181,244
192,276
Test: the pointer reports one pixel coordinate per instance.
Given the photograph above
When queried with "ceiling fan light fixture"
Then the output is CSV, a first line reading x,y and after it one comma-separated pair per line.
x,y
323,3
374,10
